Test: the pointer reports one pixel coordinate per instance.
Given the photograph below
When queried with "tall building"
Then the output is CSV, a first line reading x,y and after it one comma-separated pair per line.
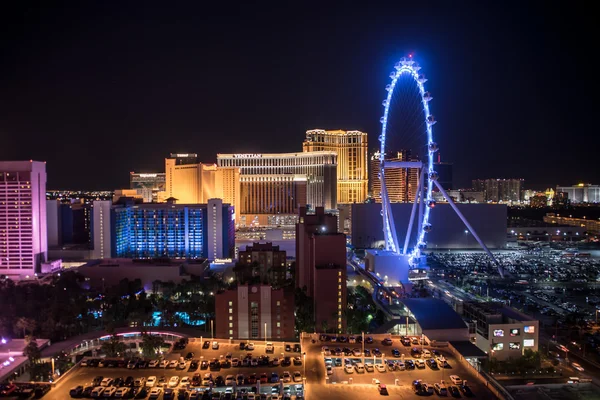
x,y
270,259
148,185
255,312
321,267
401,183
352,160
499,190
192,182
279,184
165,230
581,193
23,231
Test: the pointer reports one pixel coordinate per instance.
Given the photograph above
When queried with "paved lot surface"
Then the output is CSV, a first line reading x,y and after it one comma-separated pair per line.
x,y
363,386
85,375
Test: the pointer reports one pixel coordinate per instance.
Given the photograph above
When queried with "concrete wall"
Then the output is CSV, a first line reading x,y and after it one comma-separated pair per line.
x,y
448,231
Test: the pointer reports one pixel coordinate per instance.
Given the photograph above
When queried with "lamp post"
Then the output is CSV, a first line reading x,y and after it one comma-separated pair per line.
x,y
52,368
201,344
265,335
304,364
212,332
363,346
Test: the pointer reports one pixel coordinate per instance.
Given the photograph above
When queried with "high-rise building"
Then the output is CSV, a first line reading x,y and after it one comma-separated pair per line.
x,y
165,230
581,193
148,185
321,267
401,183
23,231
499,190
278,184
192,182
352,161
255,312
270,260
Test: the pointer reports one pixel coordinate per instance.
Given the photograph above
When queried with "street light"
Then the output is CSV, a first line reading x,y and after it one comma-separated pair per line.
x,y
212,332
265,335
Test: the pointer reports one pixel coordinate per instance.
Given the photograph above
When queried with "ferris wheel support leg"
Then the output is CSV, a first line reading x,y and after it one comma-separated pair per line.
x,y
413,211
421,190
469,227
389,226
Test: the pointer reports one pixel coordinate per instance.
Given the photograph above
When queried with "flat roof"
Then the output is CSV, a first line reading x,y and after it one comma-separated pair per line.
x,y
468,349
434,314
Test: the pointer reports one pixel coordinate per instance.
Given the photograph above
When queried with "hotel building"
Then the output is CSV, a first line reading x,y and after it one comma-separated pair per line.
x,y
279,184
23,232
255,312
581,193
165,230
192,182
352,160
148,185
321,267
401,183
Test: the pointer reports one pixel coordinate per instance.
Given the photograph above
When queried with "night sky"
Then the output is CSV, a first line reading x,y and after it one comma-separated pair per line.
x,y
98,90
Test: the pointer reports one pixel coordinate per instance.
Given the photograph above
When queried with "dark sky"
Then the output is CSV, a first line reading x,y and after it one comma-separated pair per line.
x,y
103,88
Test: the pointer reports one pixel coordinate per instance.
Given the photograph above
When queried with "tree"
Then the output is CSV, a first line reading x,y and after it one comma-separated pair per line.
x,y
113,347
26,325
32,351
151,344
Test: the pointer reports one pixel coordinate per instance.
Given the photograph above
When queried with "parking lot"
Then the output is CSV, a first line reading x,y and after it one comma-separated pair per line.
x,y
346,384
274,384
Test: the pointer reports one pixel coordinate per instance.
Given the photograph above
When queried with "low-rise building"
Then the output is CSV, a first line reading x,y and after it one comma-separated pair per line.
x,y
501,331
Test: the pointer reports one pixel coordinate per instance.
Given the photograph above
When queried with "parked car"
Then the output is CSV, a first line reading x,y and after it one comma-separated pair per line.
x,y
174,381
206,344
456,379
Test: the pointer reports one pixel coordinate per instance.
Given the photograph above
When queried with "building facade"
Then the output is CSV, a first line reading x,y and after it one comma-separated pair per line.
x,y
502,332
270,259
581,193
149,185
352,160
255,312
279,184
167,230
23,230
401,183
499,190
321,267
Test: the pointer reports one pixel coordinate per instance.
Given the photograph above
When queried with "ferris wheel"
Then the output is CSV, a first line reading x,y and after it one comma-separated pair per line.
x,y
406,162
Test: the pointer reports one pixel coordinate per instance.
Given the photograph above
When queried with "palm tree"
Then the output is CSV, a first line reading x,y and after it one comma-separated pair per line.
x,y
113,347
151,344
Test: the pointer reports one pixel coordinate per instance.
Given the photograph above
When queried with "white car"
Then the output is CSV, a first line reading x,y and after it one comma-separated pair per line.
x,y
427,388
181,364
174,381
97,392
577,367
250,346
109,391
235,362
275,361
326,351
380,367
164,364
173,364
286,376
106,382
185,381
329,370
456,379
230,380
215,345
153,363
349,369
155,393
297,376
269,348
206,379
151,381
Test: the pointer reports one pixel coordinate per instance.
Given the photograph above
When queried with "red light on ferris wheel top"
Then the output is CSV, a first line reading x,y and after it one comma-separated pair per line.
x,y
410,55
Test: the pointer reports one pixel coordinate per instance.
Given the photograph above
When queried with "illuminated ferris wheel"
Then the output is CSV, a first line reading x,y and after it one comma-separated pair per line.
x,y
406,158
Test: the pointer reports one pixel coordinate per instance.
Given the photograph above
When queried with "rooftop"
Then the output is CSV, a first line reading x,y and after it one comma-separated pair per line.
x,y
434,314
468,349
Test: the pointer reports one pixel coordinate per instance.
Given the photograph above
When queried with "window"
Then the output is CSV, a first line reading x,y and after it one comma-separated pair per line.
x,y
231,311
254,319
528,343
278,303
231,324
231,317
529,329
231,331
230,303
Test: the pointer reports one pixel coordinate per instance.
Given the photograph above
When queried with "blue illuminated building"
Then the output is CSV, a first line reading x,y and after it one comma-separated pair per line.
x,y
170,230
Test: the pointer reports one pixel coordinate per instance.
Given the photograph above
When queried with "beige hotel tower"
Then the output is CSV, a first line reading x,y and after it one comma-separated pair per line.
x,y
352,160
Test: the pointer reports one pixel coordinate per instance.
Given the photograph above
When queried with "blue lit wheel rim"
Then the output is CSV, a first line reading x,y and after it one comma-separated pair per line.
x,y
408,68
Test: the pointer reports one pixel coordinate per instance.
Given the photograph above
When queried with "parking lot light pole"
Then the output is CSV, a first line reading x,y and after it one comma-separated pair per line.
x,y
363,347
201,345
265,335
304,364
